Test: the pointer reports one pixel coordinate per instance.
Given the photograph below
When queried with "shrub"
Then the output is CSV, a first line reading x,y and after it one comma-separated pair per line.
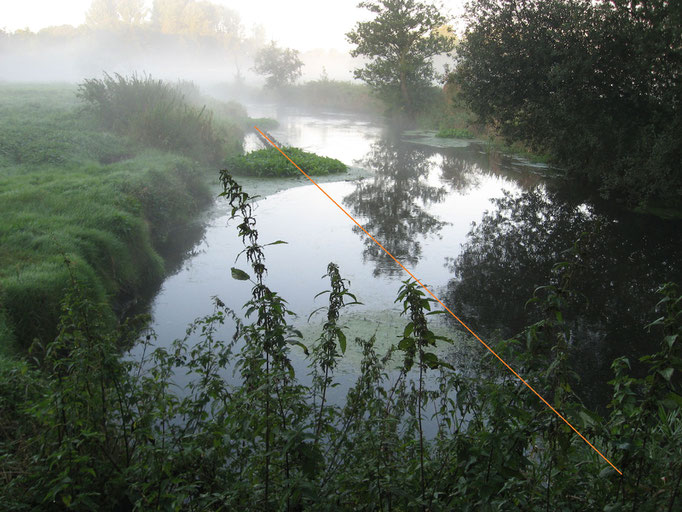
x,y
157,114
270,162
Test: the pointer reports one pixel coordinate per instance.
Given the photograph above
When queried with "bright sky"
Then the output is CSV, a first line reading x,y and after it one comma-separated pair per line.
x,y
299,24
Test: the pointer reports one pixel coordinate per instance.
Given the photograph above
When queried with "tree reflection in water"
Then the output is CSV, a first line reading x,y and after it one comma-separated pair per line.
x,y
392,205
623,261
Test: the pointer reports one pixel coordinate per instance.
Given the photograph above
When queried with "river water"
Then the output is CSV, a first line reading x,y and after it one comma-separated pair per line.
x,y
480,228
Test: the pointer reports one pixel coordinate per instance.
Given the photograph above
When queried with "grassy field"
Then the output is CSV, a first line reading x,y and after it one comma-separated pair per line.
x,y
72,191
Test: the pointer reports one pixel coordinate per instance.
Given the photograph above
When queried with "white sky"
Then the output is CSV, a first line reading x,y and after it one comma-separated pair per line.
x,y
299,24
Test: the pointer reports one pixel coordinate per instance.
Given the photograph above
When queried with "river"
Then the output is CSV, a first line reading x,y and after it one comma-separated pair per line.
x,y
480,228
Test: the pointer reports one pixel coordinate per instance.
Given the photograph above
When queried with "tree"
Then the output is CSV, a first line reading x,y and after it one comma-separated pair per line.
x,y
400,42
113,14
280,66
596,84
167,15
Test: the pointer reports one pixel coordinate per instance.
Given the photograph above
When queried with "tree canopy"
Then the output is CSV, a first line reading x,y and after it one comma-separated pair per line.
x,y
112,14
597,84
280,66
400,43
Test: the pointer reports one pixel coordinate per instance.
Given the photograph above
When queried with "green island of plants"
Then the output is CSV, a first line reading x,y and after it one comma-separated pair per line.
x,y
454,133
270,162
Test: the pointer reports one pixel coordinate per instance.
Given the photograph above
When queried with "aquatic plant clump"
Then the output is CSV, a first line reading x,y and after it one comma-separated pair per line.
x,y
454,133
271,163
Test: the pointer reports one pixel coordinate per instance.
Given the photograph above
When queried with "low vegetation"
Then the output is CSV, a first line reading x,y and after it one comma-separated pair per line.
x,y
270,162
157,114
454,133
83,429
102,200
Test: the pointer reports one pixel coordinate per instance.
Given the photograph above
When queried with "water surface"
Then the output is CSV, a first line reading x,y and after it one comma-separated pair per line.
x,y
420,203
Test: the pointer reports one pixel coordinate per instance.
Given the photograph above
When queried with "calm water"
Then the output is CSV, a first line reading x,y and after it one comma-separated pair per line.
x,y
420,202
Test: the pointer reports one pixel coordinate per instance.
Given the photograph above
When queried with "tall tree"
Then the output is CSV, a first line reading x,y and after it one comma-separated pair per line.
x,y
114,14
598,84
400,43
280,66
167,15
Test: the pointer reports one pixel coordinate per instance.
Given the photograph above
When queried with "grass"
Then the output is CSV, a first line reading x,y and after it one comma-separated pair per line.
x,y
71,191
162,115
270,163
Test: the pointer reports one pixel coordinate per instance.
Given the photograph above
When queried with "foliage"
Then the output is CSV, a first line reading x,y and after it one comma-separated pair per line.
x,y
270,162
114,14
157,114
196,18
454,133
280,66
400,43
82,428
592,83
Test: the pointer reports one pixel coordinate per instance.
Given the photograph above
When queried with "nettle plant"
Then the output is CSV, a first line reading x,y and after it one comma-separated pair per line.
x,y
86,429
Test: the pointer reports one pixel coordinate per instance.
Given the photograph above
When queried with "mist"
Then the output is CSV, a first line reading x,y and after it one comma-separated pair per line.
x,y
213,46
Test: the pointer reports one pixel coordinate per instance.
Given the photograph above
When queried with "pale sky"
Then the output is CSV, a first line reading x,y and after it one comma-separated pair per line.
x,y
299,24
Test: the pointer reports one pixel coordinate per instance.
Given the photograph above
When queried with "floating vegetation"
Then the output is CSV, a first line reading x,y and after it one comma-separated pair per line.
x,y
270,162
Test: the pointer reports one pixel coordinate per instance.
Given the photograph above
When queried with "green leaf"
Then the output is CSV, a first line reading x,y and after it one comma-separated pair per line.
x,y
670,340
342,340
299,344
405,343
667,373
430,360
278,242
675,399
239,275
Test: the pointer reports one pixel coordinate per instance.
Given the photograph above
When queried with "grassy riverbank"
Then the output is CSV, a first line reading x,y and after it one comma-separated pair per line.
x,y
99,198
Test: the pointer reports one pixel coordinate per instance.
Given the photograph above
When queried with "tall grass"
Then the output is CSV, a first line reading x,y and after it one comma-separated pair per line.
x,y
158,114
69,190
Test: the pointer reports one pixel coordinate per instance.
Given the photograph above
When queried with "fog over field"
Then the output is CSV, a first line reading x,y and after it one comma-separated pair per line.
x,y
205,41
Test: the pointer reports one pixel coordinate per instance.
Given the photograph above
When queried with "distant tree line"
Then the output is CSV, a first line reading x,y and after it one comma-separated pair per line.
x,y
183,32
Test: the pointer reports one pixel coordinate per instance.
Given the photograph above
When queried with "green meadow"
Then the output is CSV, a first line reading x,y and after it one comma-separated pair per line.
x,y
93,201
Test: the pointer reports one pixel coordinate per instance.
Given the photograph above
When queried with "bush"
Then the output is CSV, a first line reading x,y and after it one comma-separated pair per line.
x,y
270,162
158,114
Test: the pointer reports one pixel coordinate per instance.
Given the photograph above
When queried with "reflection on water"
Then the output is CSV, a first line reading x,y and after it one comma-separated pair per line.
x,y
394,206
622,262
420,203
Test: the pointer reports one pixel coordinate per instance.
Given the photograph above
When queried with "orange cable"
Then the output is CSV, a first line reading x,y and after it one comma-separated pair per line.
x,y
439,302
